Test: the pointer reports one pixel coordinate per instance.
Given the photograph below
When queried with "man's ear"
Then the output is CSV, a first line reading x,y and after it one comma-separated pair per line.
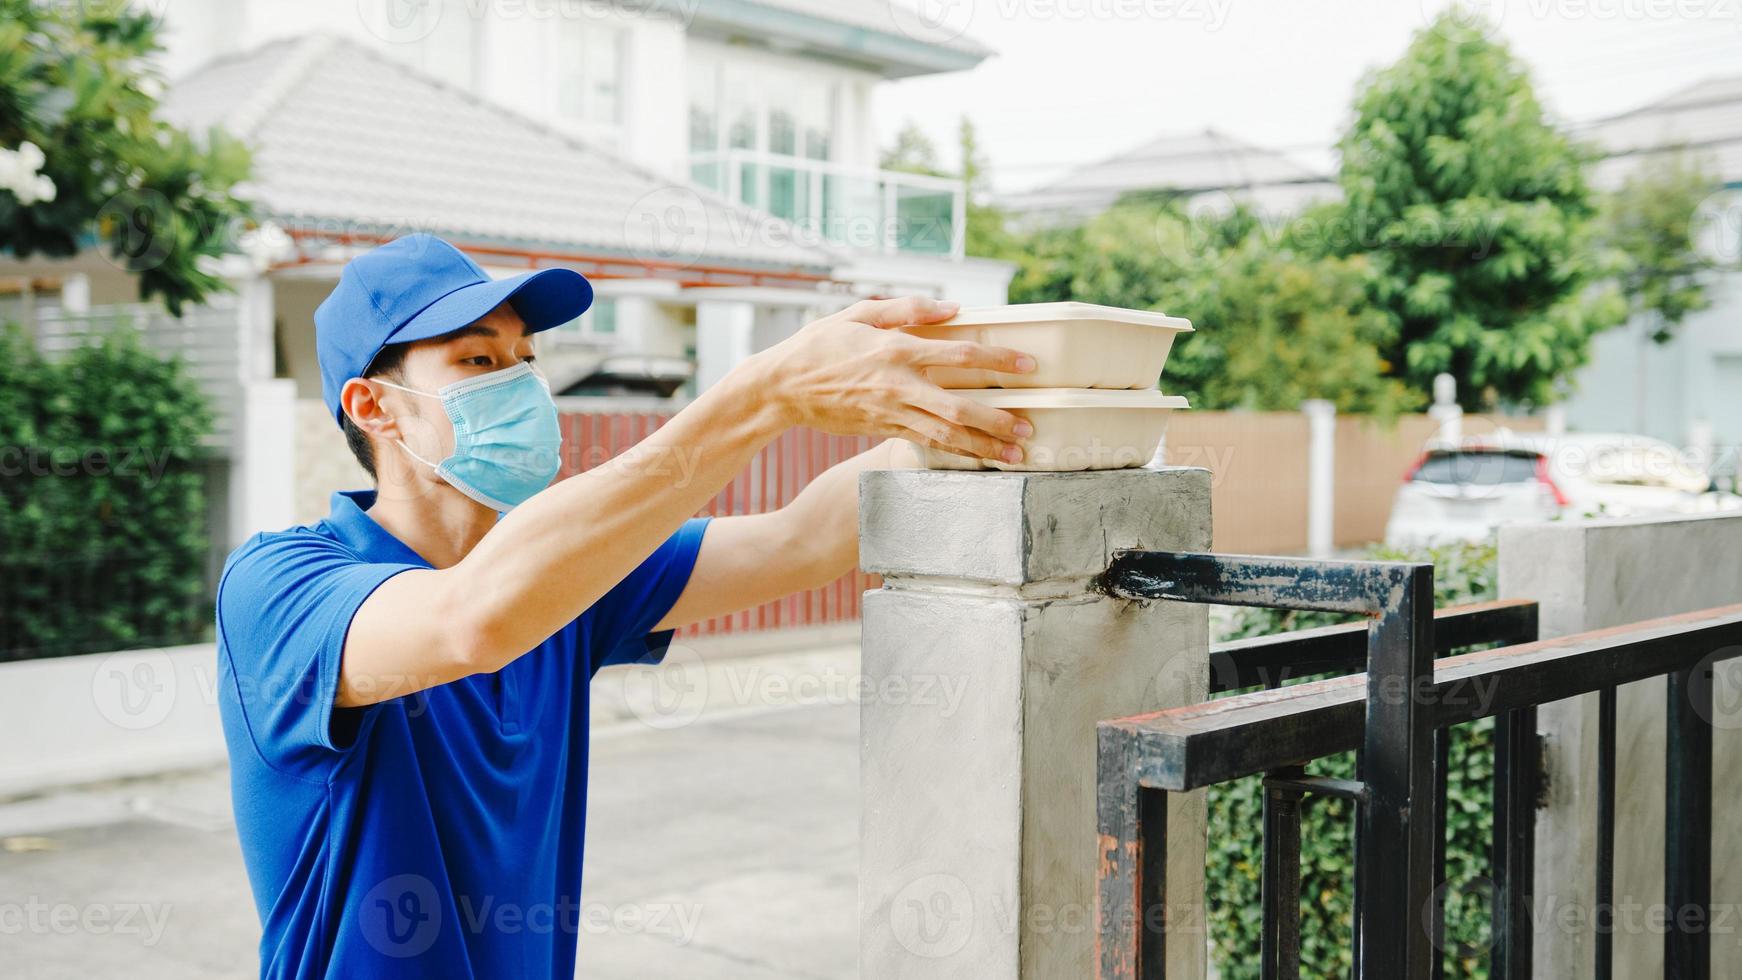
x,y
362,404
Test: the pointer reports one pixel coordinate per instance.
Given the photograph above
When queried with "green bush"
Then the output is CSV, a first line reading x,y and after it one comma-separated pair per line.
x,y
102,505
1235,860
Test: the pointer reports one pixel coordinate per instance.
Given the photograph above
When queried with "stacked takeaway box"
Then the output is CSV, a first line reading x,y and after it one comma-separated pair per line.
x,y
1092,398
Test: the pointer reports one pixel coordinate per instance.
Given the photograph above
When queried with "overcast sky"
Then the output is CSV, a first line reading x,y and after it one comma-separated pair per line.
x,y
1076,80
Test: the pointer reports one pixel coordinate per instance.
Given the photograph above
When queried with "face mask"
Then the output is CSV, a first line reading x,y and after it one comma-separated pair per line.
x,y
506,437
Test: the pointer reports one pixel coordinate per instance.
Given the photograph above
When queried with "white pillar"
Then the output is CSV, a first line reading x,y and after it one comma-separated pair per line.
x,y
75,294
1554,420
1700,443
1321,476
989,657
262,489
1591,575
725,335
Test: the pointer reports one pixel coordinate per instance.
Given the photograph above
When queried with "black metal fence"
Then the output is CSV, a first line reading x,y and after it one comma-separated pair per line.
x,y
1395,715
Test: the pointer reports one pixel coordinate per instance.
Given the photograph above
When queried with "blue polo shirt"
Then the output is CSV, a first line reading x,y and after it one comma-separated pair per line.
x,y
434,835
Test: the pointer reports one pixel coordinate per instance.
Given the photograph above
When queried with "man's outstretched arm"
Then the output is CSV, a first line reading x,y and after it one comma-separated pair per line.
x,y
555,555
751,559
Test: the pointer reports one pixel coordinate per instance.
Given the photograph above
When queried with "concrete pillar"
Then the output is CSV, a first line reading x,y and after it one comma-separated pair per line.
x,y
262,487
1321,476
725,335
989,657
1590,575
75,294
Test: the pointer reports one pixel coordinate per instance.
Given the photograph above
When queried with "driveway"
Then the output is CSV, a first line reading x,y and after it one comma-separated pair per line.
x,y
723,846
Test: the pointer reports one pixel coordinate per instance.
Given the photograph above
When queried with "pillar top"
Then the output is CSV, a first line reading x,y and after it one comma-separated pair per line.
x,y
1014,529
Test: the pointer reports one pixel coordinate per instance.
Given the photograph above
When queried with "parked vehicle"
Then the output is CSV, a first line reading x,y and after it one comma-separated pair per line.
x,y
1463,492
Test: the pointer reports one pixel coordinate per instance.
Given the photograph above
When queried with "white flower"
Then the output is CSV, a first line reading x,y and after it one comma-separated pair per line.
x,y
18,174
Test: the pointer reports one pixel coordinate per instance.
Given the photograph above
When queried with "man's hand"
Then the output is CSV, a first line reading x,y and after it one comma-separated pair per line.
x,y
857,373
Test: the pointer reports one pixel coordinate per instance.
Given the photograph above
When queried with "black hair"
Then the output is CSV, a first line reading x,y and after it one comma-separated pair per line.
x,y
390,362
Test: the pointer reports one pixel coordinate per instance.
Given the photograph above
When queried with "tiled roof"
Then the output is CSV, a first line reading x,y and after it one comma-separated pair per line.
x,y
346,139
1191,164
1704,119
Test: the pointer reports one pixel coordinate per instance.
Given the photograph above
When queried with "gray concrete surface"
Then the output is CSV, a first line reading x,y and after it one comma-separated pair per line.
x,y
989,594
741,826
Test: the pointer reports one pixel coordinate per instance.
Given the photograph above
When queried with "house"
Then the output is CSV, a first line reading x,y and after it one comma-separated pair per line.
x,y
1208,169
1687,391
710,164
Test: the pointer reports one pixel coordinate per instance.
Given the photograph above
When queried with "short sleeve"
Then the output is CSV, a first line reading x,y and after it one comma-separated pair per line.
x,y
623,618
285,604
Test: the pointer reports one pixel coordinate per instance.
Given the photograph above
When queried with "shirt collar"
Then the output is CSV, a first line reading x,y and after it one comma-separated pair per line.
x,y
350,519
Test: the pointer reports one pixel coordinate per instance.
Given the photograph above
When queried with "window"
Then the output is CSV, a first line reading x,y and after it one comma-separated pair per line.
x,y
1478,468
589,72
596,325
438,38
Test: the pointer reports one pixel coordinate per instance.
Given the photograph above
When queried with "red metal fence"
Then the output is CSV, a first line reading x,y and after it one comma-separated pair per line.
x,y
772,479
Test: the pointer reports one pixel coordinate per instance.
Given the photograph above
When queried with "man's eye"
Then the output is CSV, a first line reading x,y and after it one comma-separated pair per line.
x,y
528,359
482,360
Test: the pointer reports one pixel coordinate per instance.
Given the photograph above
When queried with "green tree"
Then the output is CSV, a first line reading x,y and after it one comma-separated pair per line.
x,y
1281,329
78,86
1280,326
1475,215
913,152
1647,234
988,229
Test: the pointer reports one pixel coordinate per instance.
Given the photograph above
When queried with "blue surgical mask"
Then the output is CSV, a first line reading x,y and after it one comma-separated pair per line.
x,y
507,444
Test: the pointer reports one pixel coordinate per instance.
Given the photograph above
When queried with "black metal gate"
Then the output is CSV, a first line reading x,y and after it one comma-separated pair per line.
x,y
1396,715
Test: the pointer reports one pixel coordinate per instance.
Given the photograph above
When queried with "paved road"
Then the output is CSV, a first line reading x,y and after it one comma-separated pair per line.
x,y
725,847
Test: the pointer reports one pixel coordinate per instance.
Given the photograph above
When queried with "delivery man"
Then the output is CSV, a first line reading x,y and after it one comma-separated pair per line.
x,y
404,684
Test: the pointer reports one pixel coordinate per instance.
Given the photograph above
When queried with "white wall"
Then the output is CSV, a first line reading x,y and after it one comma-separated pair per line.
x,y
108,715
1698,375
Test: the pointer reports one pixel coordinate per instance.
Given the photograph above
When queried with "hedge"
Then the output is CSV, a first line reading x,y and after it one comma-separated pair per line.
x,y
1235,859
103,541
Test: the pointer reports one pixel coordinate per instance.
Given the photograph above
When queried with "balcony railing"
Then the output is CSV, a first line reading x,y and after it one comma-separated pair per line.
x,y
882,211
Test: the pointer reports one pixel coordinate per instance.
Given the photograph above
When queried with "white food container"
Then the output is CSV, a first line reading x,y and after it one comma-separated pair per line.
x,y
1074,429
1075,345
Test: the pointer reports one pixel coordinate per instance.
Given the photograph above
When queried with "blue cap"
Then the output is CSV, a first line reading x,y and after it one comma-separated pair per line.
x,y
418,287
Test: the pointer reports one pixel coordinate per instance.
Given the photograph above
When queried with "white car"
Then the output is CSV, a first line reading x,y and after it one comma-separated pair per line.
x,y
1463,492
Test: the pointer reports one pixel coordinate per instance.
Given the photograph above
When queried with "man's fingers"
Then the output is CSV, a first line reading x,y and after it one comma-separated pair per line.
x,y
930,430
964,354
953,408
902,311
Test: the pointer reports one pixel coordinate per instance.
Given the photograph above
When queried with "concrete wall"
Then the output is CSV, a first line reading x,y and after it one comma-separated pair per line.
x,y
324,462
108,715
1590,575
1661,390
1258,465
978,838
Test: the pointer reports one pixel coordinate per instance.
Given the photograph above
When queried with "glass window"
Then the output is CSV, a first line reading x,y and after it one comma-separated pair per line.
x,y
589,71
604,314
1479,468
704,83
599,322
